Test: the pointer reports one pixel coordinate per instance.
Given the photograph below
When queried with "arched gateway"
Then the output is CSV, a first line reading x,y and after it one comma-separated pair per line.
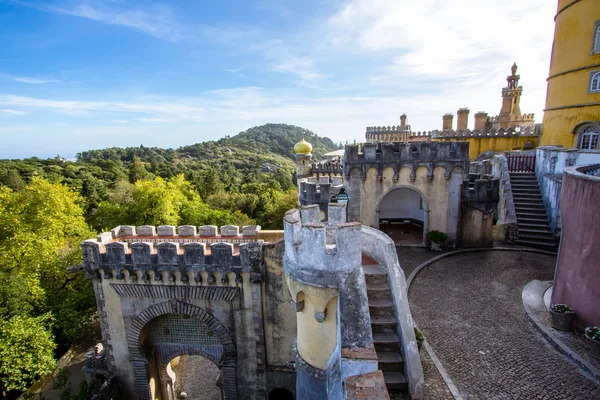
x,y
171,329
166,292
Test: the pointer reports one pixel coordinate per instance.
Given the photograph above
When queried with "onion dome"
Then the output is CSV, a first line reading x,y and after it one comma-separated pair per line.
x,y
302,147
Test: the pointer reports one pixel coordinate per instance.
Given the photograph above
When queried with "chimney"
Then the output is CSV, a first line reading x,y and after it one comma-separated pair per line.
x,y
403,120
481,120
447,122
463,119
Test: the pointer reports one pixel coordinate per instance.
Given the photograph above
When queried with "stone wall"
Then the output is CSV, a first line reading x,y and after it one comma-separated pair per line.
x,y
550,164
506,218
578,270
143,273
434,170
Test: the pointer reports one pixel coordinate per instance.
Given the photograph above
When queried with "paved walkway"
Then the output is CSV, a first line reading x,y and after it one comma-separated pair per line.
x,y
470,311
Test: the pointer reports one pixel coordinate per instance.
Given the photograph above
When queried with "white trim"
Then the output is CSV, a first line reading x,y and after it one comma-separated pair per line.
x,y
594,82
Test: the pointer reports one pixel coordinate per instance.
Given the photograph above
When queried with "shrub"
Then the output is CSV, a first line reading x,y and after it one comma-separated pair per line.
x,y
436,236
593,332
562,309
419,335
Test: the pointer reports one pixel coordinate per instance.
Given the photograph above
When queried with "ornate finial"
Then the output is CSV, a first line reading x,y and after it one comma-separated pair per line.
x,y
514,69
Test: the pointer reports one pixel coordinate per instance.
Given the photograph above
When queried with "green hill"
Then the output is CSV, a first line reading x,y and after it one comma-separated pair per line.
x,y
262,154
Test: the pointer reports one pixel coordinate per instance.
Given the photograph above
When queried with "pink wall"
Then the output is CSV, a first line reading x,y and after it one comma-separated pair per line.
x,y
577,278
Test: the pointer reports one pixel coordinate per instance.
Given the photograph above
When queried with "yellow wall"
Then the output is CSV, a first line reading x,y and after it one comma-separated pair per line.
x,y
478,146
316,340
436,194
573,36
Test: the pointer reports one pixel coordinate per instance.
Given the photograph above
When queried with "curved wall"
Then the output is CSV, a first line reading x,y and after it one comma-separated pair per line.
x,y
578,267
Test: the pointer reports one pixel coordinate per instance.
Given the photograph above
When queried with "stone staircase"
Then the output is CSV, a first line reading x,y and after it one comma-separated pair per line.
x,y
532,220
384,328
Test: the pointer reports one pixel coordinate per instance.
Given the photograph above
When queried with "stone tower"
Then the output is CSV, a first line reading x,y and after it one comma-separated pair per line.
x,y
322,265
302,151
511,97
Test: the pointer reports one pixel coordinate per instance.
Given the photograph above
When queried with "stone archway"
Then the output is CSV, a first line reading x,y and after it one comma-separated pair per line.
x,y
167,353
404,203
139,361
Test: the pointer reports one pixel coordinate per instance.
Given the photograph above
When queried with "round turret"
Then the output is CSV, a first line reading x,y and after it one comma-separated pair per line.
x,y
303,147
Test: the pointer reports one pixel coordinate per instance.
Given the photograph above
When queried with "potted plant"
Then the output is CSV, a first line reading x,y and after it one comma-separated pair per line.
x,y
436,238
592,333
419,337
562,317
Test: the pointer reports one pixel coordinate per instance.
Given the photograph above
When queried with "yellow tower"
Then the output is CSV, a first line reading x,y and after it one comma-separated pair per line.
x,y
572,113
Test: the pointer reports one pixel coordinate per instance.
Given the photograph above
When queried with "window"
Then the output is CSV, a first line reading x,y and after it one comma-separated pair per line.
x,y
595,82
589,138
596,38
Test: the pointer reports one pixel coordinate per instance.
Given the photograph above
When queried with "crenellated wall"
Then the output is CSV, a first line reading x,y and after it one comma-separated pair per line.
x,y
433,170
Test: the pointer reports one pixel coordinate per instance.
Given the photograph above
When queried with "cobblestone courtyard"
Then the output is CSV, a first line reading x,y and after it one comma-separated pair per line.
x,y
470,311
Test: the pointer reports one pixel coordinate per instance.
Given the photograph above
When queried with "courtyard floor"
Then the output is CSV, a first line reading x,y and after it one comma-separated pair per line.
x,y
469,308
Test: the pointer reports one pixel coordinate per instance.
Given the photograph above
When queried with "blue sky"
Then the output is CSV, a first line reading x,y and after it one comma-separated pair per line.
x,y
78,75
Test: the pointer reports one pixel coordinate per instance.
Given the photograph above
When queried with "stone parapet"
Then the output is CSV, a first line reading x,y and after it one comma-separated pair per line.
x,y
312,259
121,253
481,193
412,155
171,233
327,168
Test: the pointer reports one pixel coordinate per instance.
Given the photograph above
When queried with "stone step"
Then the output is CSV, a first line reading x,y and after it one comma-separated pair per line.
x,y
533,225
524,181
379,307
526,194
378,290
386,341
539,229
395,380
530,210
374,273
390,361
546,245
526,191
543,236
383,323
533,203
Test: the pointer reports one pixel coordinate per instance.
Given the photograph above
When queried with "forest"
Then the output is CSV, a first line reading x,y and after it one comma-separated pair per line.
x,y
48,207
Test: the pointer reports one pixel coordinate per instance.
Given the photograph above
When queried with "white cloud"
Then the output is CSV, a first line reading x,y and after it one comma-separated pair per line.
x,y
157,21
12,112
120,121
34,81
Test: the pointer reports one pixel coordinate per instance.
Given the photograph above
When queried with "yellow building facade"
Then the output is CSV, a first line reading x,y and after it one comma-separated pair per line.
x,y
572,112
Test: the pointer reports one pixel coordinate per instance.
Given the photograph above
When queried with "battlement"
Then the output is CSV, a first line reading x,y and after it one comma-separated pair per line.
x,y
524,117
329,168
481,193
388,129
318,190
181,234
171,255
526,131
320,253
412,155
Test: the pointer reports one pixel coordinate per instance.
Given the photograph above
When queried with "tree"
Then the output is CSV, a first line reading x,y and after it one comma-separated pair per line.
x,y
41,227
26,351
137,170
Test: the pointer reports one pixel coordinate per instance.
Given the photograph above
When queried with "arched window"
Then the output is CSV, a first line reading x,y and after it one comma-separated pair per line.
x,y
588,138
596,40
595,82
